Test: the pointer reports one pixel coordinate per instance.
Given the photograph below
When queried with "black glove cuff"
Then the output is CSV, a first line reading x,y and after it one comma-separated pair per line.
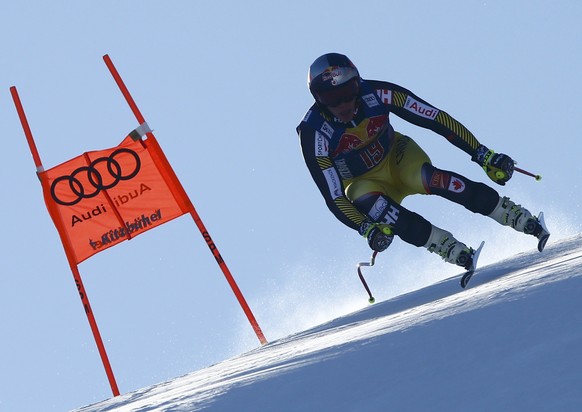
x,y
365,228
480,155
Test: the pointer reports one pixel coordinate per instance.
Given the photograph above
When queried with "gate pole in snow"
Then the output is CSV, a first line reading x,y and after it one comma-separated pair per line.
x,y
193,213
70,258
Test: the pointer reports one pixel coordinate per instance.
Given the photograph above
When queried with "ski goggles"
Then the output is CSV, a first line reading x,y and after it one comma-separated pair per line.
x,y
343,94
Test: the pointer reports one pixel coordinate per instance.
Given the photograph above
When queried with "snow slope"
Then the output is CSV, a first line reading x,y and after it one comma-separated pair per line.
x,y
511,342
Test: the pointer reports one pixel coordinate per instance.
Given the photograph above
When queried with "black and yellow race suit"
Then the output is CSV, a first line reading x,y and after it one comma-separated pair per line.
x,y
355,163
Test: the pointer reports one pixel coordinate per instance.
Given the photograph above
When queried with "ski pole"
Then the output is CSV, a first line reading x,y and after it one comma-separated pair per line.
x,y
370,263
525,172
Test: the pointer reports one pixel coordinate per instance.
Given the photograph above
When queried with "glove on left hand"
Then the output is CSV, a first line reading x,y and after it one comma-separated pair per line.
x,y
379,236
498,166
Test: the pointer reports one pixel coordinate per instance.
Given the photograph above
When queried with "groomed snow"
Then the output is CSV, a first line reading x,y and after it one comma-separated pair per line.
x,y
510,342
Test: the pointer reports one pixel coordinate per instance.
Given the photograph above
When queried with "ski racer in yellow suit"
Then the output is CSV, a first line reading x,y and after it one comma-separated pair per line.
x,y
364,169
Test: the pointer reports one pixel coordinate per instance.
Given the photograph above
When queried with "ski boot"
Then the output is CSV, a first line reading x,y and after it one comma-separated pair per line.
x,y
450,249
536,226
510,214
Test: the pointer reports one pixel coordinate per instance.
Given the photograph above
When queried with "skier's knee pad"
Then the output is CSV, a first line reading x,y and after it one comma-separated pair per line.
x,y
474,196
409,226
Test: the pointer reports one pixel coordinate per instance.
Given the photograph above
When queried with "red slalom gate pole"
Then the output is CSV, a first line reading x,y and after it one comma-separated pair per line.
x,y
190,206
67,247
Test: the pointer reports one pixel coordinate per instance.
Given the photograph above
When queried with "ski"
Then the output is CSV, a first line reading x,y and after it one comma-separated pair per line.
x,y
545,235
469,273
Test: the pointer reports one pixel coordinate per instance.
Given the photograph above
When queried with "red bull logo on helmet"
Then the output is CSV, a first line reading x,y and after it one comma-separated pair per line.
x,y
337,75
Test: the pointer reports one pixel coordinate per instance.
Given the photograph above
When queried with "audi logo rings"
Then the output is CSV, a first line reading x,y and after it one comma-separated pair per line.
x,y
94,177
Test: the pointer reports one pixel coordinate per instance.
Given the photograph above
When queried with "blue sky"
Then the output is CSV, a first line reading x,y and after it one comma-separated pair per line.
x,y
223,86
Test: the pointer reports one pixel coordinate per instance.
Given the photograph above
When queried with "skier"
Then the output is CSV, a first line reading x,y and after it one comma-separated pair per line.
x,y
364,168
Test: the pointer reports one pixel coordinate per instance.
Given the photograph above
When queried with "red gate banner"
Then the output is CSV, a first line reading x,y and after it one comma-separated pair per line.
x,y
101,198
